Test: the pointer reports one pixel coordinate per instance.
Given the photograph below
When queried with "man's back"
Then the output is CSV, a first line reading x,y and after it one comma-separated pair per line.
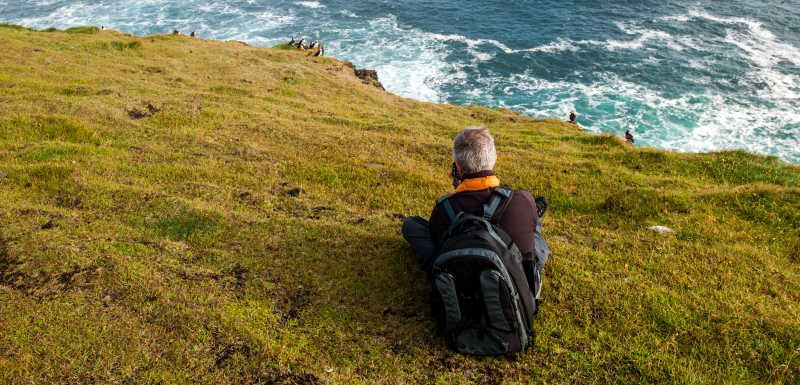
x,y
518,220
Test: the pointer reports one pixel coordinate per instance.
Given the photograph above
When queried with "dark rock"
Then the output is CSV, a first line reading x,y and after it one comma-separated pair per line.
x,y
145,242
320,209
555,335
292,302
369,77
295,192
135,113
146,112
49,225
239,275
227,349
151,109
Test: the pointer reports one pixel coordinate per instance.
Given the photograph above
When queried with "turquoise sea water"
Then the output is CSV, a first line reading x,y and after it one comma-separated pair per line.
x,y
680,75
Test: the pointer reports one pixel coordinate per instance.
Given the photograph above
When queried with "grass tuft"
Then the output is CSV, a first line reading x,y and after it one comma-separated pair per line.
x,y
86,30
122,46
14,27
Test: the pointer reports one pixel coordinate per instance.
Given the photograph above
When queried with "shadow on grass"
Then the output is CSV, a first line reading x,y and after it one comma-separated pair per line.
x,y
184,223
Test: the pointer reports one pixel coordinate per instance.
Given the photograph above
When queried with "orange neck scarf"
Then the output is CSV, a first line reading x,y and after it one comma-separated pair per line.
x,y
474,184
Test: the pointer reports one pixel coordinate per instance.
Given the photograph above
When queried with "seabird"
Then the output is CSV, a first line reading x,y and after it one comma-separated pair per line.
x,y
628,137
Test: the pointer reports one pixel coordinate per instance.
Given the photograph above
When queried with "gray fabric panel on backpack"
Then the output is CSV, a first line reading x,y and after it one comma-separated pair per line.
x,y
541,248
491,255
490,283
472,341
447,290
443,258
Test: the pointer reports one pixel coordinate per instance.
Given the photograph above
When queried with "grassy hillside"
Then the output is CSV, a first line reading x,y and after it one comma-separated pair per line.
x,y
176,210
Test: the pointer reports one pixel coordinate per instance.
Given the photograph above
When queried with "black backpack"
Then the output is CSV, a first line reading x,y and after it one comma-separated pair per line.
x,y
481,298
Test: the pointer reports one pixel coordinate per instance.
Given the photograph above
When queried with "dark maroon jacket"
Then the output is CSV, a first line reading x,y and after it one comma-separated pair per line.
x,y
519,219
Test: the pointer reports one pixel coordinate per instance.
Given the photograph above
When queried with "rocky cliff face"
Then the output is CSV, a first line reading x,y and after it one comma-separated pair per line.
x,y
369,77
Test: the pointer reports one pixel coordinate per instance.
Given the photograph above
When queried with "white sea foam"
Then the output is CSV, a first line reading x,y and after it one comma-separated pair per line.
x,y
71,15
652,60
765,52
411,62
558,45
761,44
719,121
642,36
348,13
679,18
310,4
481,56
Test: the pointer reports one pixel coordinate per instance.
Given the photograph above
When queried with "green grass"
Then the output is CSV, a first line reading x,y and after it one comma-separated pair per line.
x,y
193,211
284,46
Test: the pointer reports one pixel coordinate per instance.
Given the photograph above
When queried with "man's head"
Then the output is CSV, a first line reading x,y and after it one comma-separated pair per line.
x,y
473,150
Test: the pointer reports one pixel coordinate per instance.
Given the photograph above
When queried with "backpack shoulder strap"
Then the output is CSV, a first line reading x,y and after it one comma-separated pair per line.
x,y
448,208
508,193
490,209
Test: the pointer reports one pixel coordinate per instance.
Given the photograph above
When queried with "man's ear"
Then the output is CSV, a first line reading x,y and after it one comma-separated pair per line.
x,y
458,166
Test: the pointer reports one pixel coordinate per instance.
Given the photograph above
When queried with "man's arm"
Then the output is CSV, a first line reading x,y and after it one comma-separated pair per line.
x,y
520,219
521,226
439,224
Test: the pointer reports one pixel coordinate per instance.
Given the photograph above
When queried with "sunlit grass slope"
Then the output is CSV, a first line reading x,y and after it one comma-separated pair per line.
x,y
176,210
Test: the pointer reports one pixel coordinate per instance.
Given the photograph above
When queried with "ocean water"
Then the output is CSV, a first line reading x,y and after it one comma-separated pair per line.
x,y
680,75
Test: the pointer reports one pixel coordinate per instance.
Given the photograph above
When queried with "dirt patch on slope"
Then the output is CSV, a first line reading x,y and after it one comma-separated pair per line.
x,y
42,285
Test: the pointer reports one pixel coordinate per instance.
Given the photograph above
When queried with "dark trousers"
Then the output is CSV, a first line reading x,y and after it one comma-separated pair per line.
x,y
416,231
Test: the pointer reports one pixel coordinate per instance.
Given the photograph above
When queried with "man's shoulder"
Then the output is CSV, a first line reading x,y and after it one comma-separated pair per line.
x,y
522,194
522,200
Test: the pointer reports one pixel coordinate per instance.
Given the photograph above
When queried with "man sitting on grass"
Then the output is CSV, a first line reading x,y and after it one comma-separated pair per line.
x,y
474,156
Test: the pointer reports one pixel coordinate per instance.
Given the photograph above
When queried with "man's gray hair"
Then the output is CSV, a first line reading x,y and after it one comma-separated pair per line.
x,y
473,149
